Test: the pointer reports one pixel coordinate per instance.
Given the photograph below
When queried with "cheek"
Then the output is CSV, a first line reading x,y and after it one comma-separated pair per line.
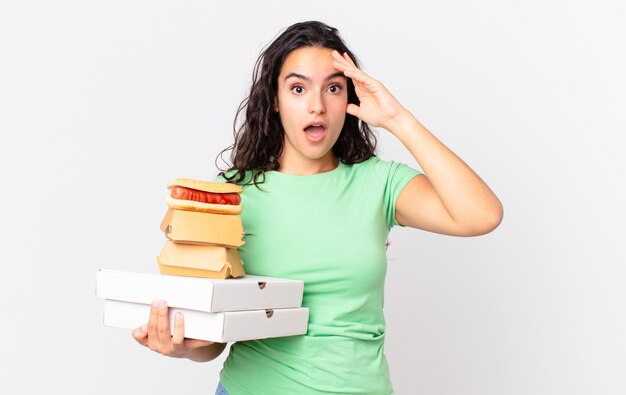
x,y
339,111
339,103
289,108
289,119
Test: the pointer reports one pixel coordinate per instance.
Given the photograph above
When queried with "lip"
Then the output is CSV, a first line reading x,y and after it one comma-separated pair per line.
x,y
319,123
319,137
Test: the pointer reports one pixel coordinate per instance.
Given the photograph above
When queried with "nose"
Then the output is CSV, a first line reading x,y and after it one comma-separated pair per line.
x,y
316,104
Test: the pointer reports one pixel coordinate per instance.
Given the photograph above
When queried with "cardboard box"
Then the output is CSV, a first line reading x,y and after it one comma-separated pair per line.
x,y
218,327
196,260
203,228
202,294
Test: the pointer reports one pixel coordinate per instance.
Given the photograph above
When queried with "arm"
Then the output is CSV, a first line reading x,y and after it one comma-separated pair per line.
x,y
156,335
207,353
451,199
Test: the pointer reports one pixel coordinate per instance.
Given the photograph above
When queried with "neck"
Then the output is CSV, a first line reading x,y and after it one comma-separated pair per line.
x,y
306,167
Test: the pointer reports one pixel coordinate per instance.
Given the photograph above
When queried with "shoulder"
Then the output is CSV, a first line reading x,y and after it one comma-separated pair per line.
x,y
382,170
368,166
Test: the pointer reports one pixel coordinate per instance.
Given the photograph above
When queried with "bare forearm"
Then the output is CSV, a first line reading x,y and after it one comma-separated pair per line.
x,y
465,196
207,353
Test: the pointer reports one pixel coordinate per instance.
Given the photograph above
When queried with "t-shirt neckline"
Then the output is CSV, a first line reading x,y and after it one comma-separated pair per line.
x,y
276,173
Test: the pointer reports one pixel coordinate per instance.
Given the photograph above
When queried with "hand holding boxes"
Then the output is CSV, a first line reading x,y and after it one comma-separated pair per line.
x,y
226,305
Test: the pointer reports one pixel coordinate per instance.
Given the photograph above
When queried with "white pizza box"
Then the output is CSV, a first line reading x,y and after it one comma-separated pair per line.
x,y
203,294
222,327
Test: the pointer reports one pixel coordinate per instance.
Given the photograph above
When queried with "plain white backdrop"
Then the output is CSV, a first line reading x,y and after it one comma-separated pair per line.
x,y
102,103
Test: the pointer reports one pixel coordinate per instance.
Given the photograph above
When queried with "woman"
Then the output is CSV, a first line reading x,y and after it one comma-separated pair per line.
x,y
318,207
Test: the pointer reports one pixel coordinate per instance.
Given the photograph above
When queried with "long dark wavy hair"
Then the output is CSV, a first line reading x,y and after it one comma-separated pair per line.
x,y
259,139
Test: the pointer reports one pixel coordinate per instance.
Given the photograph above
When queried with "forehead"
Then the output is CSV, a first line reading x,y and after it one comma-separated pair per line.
x,y
308,61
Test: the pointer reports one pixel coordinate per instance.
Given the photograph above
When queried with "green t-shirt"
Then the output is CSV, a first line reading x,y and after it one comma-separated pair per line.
x,y
328,230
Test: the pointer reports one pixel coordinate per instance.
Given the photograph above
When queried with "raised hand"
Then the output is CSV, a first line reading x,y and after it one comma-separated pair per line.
x,y
378,107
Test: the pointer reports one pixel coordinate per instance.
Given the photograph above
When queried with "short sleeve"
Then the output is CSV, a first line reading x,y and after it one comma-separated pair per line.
x,y
396,176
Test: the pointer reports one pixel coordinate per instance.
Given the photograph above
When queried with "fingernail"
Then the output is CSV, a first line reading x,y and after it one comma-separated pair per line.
x,y
178,316
162,304
144,328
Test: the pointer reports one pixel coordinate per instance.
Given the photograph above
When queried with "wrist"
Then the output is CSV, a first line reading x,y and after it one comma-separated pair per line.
x,y
401,123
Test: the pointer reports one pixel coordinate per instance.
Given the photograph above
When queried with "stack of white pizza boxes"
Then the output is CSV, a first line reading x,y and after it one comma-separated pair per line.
x,y
202,276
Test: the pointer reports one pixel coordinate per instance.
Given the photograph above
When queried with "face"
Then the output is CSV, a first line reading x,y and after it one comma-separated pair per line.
x,y
311,101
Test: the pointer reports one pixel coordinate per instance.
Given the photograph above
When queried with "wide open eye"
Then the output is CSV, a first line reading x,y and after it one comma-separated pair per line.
x,y
335,88
297,89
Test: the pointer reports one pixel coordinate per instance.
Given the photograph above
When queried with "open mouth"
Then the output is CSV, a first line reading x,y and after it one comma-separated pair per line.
x,y
315,131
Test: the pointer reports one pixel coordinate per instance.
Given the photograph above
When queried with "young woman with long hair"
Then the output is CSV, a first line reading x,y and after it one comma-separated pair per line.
x,y
319,205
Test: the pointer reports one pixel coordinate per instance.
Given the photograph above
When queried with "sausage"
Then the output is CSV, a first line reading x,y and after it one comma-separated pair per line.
x,y
183,193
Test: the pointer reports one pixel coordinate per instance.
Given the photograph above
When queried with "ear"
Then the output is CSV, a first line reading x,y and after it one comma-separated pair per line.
x,y
275,103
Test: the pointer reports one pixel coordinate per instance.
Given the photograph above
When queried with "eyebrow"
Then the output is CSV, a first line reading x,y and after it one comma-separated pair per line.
x,y
308,79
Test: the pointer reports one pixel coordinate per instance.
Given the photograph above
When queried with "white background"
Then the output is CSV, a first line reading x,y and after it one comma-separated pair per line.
x,y
102,103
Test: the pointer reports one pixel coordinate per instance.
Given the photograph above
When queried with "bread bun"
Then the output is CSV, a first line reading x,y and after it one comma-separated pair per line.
x,y
204,186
